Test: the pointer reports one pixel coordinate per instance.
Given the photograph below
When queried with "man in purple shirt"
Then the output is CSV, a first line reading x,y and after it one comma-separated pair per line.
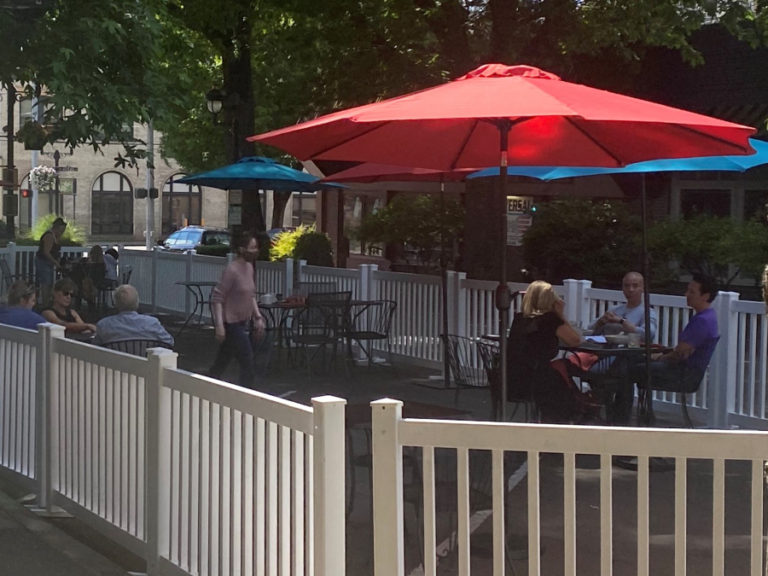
x,y
682,369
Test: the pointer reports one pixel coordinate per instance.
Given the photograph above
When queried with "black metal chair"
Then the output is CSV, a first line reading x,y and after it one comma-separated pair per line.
x,y
369,322
315,328
689,384
136,347
465,359
490,356
107,289
308,288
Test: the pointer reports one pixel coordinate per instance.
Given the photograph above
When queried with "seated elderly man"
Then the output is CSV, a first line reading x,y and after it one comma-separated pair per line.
x,y
128,324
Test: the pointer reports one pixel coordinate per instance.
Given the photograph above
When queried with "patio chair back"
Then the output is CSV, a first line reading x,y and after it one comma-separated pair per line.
x,y
136,347
308,288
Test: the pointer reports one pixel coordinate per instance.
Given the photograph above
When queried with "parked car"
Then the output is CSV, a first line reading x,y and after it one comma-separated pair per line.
x,y
199,239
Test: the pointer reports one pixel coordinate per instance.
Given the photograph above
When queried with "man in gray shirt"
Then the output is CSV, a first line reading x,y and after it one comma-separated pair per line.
x,y
128,324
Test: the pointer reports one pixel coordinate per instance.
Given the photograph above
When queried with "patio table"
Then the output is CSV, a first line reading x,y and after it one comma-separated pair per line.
x,y
195,288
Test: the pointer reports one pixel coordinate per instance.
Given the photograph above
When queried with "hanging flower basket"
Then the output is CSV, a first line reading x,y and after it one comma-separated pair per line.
x,y
42,178
33,135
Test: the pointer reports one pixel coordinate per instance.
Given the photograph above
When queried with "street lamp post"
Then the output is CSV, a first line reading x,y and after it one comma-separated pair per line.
x,y
56,158
10,200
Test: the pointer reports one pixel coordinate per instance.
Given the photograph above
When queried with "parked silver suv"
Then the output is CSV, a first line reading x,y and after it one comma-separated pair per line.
x,y
194,237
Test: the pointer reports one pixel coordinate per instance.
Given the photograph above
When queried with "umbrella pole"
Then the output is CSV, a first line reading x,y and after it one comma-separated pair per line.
x,y
503,297
647,395
444,287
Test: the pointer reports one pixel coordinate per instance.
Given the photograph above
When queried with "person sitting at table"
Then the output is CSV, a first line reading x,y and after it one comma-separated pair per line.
x,y
95,275
110,263
628,317
533,343
128,324
236,312
18,312
682,368
60,312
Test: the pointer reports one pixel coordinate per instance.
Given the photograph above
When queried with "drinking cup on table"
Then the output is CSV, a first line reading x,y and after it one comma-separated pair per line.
x,y
633,340
268,299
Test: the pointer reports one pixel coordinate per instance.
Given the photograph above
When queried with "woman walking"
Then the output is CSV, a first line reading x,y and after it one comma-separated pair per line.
x,y
236,313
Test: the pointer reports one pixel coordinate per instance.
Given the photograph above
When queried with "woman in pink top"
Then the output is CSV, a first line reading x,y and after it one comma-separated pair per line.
x,y
235,310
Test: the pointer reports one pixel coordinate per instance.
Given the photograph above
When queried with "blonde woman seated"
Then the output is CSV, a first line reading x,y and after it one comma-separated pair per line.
x,y
61,312
532,345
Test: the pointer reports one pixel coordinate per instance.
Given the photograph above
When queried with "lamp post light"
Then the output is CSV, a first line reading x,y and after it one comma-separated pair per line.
x,y
218,101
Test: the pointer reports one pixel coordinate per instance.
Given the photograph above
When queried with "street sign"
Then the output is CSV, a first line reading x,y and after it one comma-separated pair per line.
x,y
66,169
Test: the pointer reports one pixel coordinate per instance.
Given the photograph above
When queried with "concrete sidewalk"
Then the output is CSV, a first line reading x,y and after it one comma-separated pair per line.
x,y
34,546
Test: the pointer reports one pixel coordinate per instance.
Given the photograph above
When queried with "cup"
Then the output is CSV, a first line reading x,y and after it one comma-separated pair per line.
x,y
633,340
268,299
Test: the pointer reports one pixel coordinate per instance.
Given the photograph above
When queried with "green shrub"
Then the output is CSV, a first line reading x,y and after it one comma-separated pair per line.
x,y
72,236
304,243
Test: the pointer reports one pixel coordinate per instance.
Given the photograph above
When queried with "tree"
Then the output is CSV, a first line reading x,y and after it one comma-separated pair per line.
x,y
306,62
414,224
577,238
719,247
93,61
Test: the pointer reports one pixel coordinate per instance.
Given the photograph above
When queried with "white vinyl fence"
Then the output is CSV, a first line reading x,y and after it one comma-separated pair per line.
x,y
708,498
734,392
194,475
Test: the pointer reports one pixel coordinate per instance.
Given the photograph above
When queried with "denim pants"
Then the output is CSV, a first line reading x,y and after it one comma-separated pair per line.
x,y
237,343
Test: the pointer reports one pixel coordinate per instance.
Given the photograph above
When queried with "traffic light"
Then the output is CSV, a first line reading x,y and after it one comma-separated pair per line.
x,y
26,193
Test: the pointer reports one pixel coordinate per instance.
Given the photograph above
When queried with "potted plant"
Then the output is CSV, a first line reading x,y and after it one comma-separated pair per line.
x,y
42,178
33,135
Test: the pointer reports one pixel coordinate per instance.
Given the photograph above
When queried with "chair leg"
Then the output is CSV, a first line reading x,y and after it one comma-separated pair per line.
x,y
684,406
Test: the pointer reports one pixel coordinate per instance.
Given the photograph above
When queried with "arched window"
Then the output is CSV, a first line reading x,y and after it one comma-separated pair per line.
x,y
112,205
182,204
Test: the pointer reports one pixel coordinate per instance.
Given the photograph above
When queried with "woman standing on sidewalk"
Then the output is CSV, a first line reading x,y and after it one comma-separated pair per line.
x,y
236,313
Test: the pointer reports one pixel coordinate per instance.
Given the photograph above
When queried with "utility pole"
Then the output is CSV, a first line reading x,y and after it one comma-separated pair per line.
x,y
150,222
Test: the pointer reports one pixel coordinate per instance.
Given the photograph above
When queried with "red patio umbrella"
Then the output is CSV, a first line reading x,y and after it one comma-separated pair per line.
x,y
503,115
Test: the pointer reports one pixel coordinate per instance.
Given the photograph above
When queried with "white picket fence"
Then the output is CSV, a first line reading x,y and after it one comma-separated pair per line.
x,y
710,501
734,393
194,475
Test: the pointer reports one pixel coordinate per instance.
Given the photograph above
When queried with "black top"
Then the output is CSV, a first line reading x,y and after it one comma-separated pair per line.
x,y
532,343
68,317
55,248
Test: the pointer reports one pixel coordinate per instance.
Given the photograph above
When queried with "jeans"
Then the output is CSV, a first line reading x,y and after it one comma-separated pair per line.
x,y
237,343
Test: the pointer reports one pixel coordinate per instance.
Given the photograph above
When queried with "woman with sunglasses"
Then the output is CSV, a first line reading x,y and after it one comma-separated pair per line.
x,y
61,312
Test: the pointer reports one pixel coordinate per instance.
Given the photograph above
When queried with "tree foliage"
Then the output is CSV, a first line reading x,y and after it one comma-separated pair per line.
x,y
718,247
303,243
414,223
577,238
92,60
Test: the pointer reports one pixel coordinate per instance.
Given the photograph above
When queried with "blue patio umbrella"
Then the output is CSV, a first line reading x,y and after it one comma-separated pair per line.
x,y
259,172
698,164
